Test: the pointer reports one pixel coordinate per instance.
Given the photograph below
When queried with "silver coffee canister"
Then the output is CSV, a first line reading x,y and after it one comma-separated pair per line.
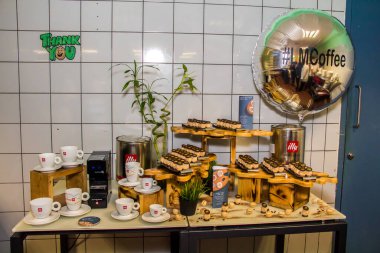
x,y
288,143
132,148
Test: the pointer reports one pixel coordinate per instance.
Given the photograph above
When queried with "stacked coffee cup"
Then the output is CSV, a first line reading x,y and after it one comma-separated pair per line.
x,y
71,156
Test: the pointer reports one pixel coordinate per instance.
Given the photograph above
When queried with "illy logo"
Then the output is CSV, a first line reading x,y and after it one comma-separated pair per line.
x,y
64,153
130,158
125,207
292,147
43,159
39,209
146,184
155,212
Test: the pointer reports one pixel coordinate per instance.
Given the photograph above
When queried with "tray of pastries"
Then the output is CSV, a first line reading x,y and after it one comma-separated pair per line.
x,y
274,167
175,164
247,163
227,124
197,124
300,170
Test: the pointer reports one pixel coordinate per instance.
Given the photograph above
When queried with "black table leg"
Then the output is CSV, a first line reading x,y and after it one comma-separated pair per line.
x,y
17,243
280,242
183,241
340,238
64,239
174,242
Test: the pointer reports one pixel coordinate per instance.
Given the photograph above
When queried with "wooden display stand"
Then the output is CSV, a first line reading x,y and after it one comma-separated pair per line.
x,y
285,193
230,135
173,181
42,183
145,200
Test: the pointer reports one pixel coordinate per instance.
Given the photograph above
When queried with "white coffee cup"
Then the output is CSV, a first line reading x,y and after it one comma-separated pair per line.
x,y
148,182
124,206
157,209
132,165
41,207
133,173
49,160
74,198
71,154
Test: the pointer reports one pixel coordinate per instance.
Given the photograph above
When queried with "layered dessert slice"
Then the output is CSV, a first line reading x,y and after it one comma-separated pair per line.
x,y
174,162
193,149
248,162
229,124
196,123
273,165
188,156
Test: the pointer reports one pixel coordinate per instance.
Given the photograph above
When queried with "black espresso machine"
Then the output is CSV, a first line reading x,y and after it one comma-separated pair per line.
x,y
99,171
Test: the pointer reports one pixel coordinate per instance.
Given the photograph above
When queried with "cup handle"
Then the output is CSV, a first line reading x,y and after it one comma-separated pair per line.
x,y
164,210
57,160
136,206
80,154
141,172
85,196
154,182
56,206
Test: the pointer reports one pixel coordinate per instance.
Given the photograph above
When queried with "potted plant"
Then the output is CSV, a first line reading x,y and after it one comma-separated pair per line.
x,y
152,105
189,196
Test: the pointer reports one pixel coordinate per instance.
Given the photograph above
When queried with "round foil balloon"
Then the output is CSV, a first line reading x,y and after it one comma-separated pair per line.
x,y
303,62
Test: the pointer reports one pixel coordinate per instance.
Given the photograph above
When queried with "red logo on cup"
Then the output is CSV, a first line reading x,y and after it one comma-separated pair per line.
x,y
146,184
43,159
73,199
292,147
125,207
155,212
39,209
130,158
64,152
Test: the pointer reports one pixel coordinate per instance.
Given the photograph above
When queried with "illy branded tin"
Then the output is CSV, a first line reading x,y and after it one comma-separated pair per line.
x,y
288,143
132,149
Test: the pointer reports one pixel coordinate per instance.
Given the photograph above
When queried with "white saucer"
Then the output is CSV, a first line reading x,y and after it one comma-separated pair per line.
x,y
40,169
72,164
149,218
154,189
124,182
30,220
134,214
68,213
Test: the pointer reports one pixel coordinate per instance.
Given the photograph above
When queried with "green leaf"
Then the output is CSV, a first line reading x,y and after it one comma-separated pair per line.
x,y
184,67
134,102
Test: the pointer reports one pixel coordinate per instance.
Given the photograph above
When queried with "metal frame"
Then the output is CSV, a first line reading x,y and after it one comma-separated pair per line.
x,y
186,240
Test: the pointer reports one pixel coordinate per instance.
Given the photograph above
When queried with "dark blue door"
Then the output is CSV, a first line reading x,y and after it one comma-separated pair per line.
x,y
360,188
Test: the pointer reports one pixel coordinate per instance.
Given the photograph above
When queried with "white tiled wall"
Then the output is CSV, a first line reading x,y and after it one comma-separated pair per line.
x,y
44,105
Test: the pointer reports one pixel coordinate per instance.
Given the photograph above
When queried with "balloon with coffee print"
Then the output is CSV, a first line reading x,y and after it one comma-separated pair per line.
x,y
303,62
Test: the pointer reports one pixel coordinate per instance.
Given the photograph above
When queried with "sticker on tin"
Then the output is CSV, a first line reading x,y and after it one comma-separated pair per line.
x,y
89,221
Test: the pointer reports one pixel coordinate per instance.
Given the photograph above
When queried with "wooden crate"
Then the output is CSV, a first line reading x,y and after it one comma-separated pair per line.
x,y
145,200
42,183
288,196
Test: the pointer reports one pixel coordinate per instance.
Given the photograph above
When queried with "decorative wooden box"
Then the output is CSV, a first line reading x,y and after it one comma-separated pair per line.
x,y
145,200
42,183
293,193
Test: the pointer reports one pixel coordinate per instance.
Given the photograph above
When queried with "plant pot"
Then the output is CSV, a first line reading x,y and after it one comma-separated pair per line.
x,y
187,207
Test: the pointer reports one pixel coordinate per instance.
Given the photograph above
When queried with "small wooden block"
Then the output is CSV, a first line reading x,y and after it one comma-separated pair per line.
x,y
145,200
42,183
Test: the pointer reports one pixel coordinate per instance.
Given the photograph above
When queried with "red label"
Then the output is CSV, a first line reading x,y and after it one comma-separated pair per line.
x,y
73,199
125,207
130,158
292,147
43,159
39,209
146,184
155,212
64,153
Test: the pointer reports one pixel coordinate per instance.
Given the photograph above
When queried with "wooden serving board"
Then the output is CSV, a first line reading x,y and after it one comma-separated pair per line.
x,y
217,132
